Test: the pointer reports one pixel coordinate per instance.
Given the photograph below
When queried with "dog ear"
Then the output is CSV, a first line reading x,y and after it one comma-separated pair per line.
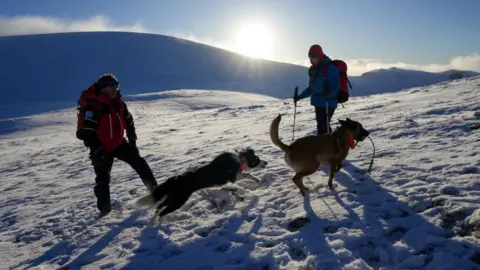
x,y
342,122
349,120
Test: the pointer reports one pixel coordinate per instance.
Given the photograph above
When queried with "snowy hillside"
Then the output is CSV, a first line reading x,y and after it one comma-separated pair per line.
x,y
57,66
395,79
41,73
418,209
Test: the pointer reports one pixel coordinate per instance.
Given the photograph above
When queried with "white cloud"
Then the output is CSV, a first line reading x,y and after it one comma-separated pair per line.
x,y
22,25
360,66
471,62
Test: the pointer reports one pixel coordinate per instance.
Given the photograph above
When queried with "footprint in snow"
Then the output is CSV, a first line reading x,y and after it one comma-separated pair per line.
x,y
297,223
297,250
222,248
205,231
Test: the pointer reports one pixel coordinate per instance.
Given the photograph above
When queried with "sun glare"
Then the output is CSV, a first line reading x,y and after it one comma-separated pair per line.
x,y
255,40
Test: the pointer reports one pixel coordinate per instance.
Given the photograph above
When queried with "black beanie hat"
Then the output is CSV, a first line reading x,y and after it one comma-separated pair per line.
x,y
107,80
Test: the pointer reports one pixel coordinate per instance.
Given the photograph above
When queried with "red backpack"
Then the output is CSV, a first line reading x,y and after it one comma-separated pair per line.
x,y
343,95
87,97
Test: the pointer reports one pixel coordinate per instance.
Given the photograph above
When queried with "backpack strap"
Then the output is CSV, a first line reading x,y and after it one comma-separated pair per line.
x,y
346,78
326,83
312,74
325,71
348,81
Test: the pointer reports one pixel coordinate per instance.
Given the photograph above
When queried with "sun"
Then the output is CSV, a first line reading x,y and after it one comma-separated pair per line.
x,y
255,40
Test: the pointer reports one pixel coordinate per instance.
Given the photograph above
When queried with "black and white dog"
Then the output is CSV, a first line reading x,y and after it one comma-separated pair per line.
x,y
226,167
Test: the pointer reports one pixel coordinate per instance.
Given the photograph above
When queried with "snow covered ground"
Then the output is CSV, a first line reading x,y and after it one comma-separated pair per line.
x,y
417,209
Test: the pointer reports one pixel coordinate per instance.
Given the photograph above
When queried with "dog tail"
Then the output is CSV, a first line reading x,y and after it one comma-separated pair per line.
x,y
274,134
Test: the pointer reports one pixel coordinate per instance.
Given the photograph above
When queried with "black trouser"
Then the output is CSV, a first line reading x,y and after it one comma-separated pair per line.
x,y
321,117
103,165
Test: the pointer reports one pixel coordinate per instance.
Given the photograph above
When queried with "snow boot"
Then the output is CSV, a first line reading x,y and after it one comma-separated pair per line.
x,y
105,209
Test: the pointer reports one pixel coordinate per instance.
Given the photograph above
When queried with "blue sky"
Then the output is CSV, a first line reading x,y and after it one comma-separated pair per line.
x,y
427,34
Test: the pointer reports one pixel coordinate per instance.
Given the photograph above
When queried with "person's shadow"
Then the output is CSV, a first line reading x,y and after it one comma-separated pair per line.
x,y
384,232
312,234
221,244
61,252
392,232
225,246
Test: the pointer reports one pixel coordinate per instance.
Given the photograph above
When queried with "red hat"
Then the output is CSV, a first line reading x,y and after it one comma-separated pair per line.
x,y
315,50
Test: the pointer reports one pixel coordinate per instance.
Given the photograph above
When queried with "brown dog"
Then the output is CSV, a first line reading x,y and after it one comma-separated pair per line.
x,y
305,155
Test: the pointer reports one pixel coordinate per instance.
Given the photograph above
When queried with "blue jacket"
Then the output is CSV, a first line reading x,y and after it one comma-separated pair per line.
x,y
316,89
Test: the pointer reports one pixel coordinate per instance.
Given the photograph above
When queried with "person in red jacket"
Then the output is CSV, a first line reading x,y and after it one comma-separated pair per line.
x,y
102,121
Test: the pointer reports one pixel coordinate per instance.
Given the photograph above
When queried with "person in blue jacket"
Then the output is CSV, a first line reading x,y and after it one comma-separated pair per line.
x,y
322,91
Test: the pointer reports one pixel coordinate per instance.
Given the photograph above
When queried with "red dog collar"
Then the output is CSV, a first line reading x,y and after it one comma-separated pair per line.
x,y
350,140
243,167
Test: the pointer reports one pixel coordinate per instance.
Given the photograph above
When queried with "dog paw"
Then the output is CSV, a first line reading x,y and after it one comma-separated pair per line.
x,y
157,220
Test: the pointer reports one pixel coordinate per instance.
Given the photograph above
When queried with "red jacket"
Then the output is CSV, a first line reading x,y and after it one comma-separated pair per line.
x,y
103,121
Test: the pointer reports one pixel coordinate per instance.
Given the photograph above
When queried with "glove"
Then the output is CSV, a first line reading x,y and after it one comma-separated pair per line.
x,y
133,144
132,136
296,97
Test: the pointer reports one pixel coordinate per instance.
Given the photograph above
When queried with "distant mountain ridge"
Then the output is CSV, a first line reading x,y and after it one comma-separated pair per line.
x,y
395,79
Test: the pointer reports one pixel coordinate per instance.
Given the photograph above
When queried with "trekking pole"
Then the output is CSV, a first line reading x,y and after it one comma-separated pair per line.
x,y
295,94
373,155
326,113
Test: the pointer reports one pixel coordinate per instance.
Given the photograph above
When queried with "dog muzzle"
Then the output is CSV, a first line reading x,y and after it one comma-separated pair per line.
x,y
363,136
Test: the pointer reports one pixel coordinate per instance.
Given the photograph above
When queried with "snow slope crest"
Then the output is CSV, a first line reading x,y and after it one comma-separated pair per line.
x,y
417,209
